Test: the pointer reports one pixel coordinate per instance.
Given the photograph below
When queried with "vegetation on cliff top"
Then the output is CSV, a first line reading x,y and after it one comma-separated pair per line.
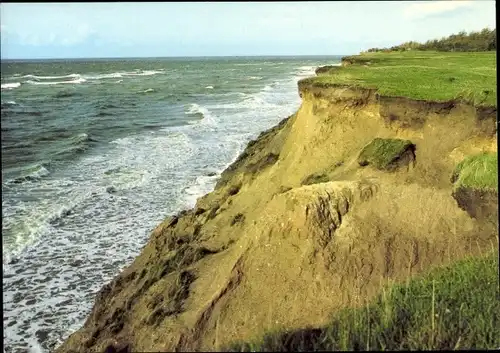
x,y
484,40
477,172
421,75
456,307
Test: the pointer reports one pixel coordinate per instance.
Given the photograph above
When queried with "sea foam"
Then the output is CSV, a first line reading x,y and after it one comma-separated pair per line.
x,y
11,85
50,83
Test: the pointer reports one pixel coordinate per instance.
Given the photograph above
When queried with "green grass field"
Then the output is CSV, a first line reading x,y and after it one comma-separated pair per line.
x,y
454,307
423,75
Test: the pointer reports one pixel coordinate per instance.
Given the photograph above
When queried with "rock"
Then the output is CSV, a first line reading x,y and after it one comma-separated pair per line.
x,y
479,204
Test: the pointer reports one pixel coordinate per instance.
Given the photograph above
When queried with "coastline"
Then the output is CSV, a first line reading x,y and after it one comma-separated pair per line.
x,y
172,166
201,282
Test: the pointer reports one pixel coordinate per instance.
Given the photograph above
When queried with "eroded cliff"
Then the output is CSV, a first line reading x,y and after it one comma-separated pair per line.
x,y
297,227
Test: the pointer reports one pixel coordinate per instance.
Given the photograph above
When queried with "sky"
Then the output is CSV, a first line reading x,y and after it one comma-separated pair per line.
x,y
156,29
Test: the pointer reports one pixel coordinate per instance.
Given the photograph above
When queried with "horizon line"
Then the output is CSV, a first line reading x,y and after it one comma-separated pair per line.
x,y
176,57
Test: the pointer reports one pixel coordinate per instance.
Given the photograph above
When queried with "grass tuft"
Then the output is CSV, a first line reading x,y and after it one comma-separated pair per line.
x,y
479,172
455,307
315,178
382,153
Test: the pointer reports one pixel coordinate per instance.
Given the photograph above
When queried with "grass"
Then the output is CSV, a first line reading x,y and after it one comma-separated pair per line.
x,y
478,172
170,303
433,76
381,153
454,307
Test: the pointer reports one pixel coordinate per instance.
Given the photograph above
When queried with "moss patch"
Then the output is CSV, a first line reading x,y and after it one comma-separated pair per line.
x,y
315,178
183,257
386,154
171,303
479,172
239,218
263,163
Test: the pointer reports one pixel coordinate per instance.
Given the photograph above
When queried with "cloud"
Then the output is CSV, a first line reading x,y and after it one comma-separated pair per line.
x,y
63,35
81,34
423,9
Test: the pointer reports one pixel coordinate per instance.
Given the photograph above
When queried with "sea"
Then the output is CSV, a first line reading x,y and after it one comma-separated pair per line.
x,y
97,152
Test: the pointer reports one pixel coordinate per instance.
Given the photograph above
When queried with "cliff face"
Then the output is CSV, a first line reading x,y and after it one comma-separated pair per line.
x,y
266,251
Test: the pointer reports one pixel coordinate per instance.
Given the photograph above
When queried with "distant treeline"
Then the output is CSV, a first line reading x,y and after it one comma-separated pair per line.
x,y
484,40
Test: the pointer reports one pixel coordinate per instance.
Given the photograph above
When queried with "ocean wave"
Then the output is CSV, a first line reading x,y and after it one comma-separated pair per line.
x,y
8,104
76,81
142,73
306,68
31,174
35,77
196,110
304,71
103,105
203,113
102,113
149,90
25,112
123,178
11,85
83,137
254,78
75,144
104,76
65,94
60,214
248,64
209,87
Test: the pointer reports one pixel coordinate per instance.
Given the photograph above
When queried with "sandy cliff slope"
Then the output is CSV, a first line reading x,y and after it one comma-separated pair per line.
x,y
296,228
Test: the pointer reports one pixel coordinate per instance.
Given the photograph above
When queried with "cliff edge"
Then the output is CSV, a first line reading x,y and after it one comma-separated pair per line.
x,y
357,188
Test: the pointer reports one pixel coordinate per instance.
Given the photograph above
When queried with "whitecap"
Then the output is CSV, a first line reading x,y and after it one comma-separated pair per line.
x,y
142,73
51,77
11,85
306,68
82,137
247,64
104,76
209,87
77,81
207,117
196,109
32,174
35,347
